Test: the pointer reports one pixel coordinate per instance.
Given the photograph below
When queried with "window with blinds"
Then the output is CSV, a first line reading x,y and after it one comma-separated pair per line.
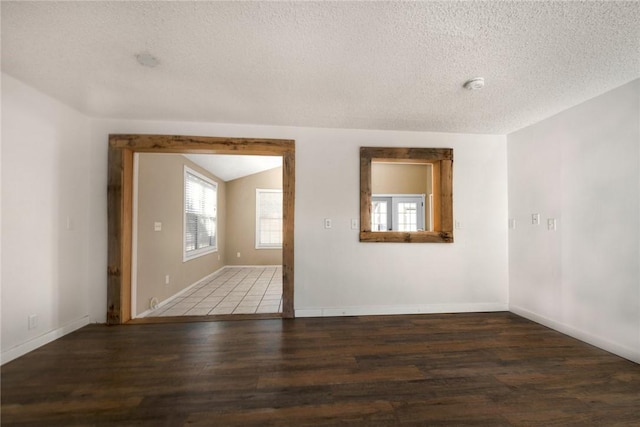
x,y
268,219
200,214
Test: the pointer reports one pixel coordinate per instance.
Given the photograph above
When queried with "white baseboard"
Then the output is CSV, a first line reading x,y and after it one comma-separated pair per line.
x,y
251,266
24,348
174,296
401,309
597,341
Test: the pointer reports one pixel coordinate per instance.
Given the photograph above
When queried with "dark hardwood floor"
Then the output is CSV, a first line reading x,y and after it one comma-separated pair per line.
x,y
493,369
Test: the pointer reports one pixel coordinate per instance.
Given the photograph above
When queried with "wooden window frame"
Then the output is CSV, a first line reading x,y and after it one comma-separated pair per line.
x,y
442,159
122,148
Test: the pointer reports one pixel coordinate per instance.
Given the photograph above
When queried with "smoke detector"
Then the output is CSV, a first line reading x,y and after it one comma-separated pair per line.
x,y
147,60
474,84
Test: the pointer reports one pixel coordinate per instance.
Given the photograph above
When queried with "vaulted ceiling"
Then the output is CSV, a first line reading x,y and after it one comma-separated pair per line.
x,y
232,166
371,65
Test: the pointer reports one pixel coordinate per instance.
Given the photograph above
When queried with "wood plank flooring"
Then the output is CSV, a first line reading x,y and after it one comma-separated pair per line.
x,y
486,369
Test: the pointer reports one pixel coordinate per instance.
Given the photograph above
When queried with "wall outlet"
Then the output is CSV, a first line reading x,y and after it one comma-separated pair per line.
x,y
157,226
32,321
512,223
327,223
238,254
552,225
458,225
166,279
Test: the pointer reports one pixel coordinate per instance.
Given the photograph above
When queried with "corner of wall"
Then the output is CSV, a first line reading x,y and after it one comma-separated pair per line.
x,y
45,157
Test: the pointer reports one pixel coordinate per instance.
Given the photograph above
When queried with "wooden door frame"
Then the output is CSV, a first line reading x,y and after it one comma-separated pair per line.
x,y
120,204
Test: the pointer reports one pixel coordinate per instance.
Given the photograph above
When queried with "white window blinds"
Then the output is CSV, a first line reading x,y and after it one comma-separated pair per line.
x,y
200,214
268,219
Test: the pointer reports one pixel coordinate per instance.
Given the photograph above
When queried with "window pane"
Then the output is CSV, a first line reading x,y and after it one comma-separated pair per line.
x,y
407,216
191,221
200,213
379,217
268,218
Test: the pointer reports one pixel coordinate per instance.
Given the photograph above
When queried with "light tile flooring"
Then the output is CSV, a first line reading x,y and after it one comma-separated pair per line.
x,y
235,290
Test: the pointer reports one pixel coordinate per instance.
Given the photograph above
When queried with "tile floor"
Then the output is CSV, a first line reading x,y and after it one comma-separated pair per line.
x,y
235,290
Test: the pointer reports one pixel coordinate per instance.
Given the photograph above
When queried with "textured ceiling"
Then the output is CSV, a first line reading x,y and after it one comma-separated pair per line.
x,y
375,65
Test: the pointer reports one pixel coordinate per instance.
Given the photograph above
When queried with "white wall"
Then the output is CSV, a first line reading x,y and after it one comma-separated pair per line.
x,y
45,153
54,166
582,167
335,273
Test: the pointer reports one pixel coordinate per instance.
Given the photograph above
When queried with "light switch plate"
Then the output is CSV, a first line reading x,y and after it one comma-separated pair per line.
x,y
535,219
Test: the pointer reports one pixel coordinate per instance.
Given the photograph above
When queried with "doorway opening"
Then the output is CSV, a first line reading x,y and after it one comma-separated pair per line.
x,y
120,206
207,235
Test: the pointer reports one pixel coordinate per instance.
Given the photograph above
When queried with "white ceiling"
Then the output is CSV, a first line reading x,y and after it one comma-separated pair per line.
x,y
374,65
229,167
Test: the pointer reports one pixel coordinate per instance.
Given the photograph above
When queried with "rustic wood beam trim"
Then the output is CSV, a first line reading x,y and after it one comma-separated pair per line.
x,y
201,144
442,158
365,192
412,153
406,237
119,225
120,200
288,210
446,196
127,234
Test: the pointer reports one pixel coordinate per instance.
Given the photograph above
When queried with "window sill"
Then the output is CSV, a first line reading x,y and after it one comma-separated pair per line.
x,y
198,254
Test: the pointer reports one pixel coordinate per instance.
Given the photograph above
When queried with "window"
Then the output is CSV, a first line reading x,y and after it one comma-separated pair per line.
x,y
268,219
200,214
397,212
379,218
407,216
427,220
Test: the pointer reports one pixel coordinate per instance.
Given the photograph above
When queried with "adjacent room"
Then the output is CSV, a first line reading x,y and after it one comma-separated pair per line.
x,y
320,213
208,235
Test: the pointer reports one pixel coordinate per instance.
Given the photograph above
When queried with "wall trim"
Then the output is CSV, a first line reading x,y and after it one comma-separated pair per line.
x,y
251,266
579,334
37,342
134,236
401,309
176,295
121,149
